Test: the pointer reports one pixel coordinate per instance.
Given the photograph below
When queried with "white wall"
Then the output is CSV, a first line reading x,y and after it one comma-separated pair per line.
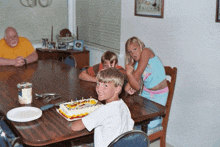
x,y
95,56
33,23
188,38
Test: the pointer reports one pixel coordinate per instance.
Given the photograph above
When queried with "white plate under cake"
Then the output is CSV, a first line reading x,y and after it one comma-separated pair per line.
x,y
77,109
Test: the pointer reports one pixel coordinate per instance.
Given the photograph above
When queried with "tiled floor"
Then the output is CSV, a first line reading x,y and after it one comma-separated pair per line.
x,y
154,144
157,144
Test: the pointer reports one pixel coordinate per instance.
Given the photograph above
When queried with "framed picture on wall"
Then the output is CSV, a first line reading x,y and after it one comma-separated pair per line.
x,y
78,45
217,18
149,8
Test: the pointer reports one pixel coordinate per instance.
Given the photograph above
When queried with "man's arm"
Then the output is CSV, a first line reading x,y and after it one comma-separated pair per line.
x,y
32,57
78,125
86,77
4,61
19,61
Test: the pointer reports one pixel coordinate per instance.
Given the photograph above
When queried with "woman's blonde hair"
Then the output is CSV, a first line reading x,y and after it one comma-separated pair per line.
x,y
134,39
111,75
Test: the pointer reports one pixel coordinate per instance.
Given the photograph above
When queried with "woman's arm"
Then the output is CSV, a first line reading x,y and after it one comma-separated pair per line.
x,y
129,89
133,83
135,77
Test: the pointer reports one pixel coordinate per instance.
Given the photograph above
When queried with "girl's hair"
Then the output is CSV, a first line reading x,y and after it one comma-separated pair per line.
x,y
111,75
134,39
109,56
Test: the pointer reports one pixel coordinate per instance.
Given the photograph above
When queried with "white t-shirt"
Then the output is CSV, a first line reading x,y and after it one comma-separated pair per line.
x,y
109,121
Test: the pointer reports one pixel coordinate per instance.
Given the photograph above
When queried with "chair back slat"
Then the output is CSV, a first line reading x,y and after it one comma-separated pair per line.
x,y
171,84
172,72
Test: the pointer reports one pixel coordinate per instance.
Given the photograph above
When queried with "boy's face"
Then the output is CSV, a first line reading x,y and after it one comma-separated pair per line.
x,y
107,64
107,91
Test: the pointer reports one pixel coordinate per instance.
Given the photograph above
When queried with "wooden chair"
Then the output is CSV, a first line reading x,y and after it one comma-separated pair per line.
x,y
131,139
8,138
161,134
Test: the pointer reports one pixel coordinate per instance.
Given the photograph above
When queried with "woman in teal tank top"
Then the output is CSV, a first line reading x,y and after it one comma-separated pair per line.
x,y
143,65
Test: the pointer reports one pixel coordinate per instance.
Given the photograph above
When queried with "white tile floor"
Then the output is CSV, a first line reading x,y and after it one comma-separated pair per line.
x,y
153,144
157,144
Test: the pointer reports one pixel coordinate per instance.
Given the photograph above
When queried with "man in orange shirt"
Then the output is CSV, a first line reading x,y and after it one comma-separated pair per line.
x,y
16,50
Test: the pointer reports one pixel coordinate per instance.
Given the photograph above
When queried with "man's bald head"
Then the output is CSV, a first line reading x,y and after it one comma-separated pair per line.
x,y
11,37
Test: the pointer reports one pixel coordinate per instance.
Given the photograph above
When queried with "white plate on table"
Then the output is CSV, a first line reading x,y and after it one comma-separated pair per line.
x,y
24,114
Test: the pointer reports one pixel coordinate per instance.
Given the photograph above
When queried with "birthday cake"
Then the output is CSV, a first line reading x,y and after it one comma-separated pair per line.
x,y
78,109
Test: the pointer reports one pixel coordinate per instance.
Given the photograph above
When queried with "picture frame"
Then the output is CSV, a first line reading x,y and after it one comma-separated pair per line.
x,y
149,8
44,42
217,17
61,46
52,45
78,45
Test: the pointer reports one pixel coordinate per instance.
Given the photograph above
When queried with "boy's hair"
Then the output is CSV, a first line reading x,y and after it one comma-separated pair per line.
x,y
111,75
109,56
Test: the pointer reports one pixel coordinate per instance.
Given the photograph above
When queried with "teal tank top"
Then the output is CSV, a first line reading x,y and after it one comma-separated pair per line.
x,y
155,72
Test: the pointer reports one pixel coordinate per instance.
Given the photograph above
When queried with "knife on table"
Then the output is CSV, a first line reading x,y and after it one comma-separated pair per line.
x,y
46,107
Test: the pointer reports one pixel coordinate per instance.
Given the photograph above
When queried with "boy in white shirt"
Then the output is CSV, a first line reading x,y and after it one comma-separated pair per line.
x,y
113,118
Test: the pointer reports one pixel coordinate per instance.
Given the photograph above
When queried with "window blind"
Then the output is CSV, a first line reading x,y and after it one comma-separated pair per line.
x,y
35,22
99,23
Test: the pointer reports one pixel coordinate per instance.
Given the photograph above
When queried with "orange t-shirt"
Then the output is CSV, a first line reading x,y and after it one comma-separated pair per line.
x,y
23,48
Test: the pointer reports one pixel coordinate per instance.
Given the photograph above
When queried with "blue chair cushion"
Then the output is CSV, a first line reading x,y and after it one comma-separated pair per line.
x,y
2,142
131,139
154,130
150,130
8,137
69,61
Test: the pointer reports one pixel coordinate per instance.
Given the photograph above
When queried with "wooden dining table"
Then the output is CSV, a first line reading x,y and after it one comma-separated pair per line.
x,y
53,76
